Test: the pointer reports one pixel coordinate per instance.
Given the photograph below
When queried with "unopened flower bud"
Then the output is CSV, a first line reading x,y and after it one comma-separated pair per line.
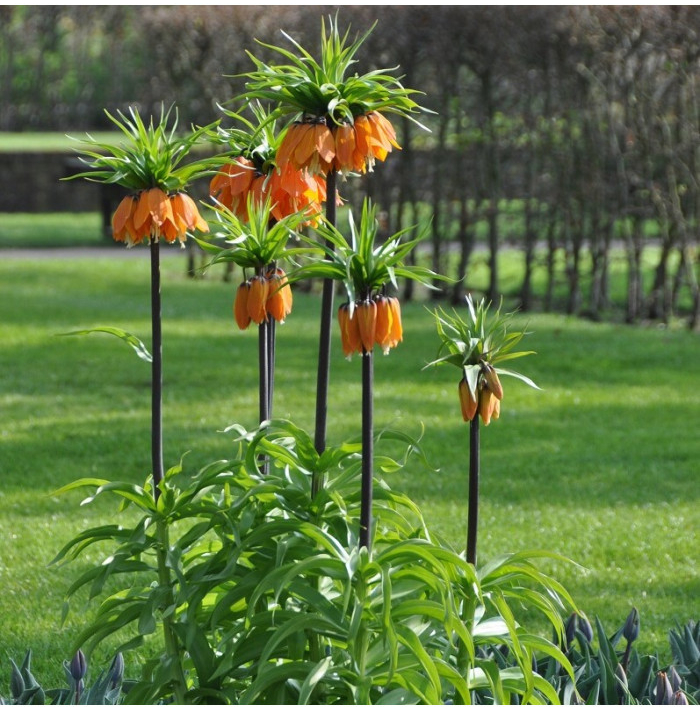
x,y
664,691
631,630
366,313
467,401
240,306
116,670
585,627
492,381
674,678
680,699
78,666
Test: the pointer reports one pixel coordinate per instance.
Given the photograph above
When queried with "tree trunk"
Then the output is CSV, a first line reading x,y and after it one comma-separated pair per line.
x,y
466,246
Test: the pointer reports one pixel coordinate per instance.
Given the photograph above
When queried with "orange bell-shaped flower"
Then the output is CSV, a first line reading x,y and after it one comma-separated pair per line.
x,y
240,306
467,402
492,381
307,145
346,158
349,331
487,406
366,313
384,327
123,222
279,301
257,299
396,325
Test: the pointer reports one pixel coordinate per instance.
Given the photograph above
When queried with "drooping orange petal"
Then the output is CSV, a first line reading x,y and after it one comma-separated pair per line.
x,y
492,381
366,313
190,214
325,144
396,325
467,402
363,132
344,147
305,147
257,299
240,306
384,128
286,290
486,405
159,206
121,217
279,303
291,139
349,331
382,334
142,215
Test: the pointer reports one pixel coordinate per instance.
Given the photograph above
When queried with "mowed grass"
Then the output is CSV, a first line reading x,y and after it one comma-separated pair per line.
x,y
600,466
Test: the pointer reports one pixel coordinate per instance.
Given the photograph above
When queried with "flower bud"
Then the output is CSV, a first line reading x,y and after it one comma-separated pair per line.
x,y
78,666
585,627
492,381
467,401
366,313
257,299
382,333
240,306
664,691
674,678
631,630
487,404
396,325
116,671
680,699
349,331
279,302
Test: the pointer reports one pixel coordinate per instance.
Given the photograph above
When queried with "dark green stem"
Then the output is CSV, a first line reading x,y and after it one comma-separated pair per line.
x,y
156,371
271,340
264,385
473,513
324,346
367,449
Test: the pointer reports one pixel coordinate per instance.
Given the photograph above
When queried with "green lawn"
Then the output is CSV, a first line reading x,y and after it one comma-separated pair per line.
x,y
52,230
600,466
50,141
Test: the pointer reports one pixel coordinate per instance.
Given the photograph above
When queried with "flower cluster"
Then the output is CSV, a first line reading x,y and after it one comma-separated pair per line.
x,y
289,190
316,146
154,213
375,321
263,296
476,345
487,401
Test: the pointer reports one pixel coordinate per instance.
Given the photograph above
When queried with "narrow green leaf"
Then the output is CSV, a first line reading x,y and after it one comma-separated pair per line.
x,y
131,340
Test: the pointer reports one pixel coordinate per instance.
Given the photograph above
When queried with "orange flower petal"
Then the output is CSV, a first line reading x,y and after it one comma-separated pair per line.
x,y
159,206
240,306
121,217
257,298
396,325
467,402
367,322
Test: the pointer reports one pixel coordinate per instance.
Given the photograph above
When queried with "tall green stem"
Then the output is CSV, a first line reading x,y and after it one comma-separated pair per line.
x,y
156,371
473,512
264,376
324,346
367,448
